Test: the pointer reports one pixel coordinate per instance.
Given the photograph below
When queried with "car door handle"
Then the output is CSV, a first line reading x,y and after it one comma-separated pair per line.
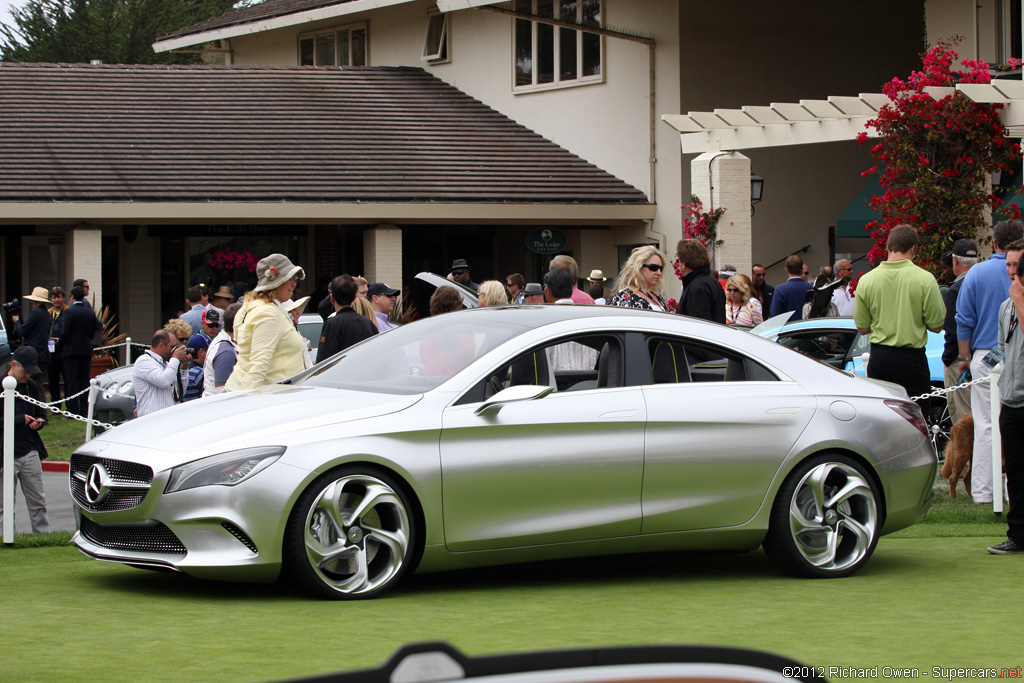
x,y
618,414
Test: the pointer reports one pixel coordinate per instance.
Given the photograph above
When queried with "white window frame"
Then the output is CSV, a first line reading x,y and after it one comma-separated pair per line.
x,y
443,53
315,36
556,82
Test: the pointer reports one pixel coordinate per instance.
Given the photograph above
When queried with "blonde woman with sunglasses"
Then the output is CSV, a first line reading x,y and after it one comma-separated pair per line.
x,y
640,282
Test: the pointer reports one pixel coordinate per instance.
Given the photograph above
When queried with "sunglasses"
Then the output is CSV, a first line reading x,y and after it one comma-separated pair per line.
x,y
653,267
731,289
458,272
183,340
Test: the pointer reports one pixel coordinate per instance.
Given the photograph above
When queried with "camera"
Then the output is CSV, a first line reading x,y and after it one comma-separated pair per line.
x,y
13,306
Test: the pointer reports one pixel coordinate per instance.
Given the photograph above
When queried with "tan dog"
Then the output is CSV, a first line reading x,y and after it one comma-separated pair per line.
x,y
959,453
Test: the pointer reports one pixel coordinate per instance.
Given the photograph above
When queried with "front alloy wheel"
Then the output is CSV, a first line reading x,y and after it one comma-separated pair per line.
x,y
350,535
825,519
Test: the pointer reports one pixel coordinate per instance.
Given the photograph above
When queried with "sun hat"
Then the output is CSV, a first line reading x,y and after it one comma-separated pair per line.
x,y
26,357
223,293
965,248
297,304
38,294
597,276
274,271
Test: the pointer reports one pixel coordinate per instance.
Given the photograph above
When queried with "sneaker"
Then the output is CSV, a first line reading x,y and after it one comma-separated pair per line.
x,y
1007,547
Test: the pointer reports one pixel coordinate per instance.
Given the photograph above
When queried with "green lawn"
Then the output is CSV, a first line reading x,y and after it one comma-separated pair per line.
x,y
931,596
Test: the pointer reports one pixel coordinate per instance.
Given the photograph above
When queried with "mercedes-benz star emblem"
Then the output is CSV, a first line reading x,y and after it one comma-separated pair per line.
x,y
97,484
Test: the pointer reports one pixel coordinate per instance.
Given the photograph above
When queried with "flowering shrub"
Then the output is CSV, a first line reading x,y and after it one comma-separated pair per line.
x,y
701,225
937,154
228,259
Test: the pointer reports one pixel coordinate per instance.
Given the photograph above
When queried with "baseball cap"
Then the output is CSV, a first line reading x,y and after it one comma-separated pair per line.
x,y
211,317
380,288
28,358
198,342
965,248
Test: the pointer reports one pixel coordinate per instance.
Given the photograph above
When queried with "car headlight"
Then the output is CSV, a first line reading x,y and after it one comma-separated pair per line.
x,y
226,469
125,388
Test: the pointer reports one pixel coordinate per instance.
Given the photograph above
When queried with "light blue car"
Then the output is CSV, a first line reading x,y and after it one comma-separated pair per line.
x,y
835,341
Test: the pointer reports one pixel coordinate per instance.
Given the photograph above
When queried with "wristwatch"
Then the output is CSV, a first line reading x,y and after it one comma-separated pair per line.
x,y
963,358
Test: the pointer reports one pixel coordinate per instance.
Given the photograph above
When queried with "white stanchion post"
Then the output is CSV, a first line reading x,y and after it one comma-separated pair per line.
x,y
94,389
128,351
9,385
995,405
864,358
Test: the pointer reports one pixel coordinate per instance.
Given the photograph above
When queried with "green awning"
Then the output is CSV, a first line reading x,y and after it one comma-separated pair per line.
x,y
854,217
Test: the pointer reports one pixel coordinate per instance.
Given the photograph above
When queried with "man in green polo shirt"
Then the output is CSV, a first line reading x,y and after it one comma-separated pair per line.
x,y
897,303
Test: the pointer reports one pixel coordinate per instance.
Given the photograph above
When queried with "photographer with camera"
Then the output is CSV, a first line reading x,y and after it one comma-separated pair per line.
x,y
156,373
35,330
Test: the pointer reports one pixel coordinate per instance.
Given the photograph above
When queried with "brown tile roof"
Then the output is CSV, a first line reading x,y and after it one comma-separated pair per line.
x,y
247,15
71,133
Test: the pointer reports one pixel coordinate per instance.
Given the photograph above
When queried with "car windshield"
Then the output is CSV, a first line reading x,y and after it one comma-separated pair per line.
x,y
413,358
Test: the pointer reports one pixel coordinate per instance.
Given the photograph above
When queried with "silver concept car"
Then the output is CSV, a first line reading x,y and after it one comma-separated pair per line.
x,y
503,435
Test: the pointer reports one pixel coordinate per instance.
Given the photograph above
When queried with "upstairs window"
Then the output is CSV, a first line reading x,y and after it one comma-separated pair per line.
x,y
344,46
435,43
549,56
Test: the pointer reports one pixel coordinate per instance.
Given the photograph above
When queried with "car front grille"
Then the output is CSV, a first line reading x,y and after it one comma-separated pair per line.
x,y
153,537
241,536
126,474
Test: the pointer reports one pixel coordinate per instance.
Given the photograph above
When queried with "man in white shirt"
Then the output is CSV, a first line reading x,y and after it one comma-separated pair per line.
x,y
842,297
157,372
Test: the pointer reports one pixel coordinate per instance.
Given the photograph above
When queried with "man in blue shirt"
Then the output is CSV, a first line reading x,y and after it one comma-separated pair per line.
x,y
194,316
790,295
985,287
197,347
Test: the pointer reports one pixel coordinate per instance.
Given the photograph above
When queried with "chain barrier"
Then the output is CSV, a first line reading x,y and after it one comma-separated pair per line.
x,y
942,392
53,409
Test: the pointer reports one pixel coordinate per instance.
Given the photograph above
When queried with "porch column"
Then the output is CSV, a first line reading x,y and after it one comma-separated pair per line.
x,y
84,258
382,255
722,179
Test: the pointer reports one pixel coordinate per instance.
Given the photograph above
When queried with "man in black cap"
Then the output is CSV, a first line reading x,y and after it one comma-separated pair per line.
x,y
460,273
964,255
28,445
382,298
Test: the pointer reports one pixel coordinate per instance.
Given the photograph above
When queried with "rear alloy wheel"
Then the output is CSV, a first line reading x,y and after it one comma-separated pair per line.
x,y
350,535
825,520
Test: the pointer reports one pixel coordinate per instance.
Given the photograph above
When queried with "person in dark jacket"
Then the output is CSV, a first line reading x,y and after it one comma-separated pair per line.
x,y
346,327
790,295
76,336
762,290
29,450
703,296
55,368
35,330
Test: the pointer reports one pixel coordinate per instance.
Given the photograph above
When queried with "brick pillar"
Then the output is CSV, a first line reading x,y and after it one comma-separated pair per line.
x,y
84,259
726,176
382,255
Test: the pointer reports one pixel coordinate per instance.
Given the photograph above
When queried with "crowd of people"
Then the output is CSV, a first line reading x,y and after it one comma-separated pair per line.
x,y
233,346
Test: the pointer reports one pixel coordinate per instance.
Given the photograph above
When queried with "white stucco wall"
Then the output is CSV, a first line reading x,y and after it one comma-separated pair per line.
x,y
608,124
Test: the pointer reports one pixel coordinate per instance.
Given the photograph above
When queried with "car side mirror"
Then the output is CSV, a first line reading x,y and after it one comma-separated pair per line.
x,y
522,392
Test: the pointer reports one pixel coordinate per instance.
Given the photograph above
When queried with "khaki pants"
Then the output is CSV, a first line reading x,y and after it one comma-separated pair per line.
x,y
959,401
29,471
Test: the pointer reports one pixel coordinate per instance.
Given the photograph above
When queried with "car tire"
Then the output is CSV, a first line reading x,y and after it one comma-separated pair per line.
x,y
350,536
825,521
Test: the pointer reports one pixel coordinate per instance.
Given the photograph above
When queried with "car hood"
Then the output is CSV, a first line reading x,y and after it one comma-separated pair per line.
x,y
259,417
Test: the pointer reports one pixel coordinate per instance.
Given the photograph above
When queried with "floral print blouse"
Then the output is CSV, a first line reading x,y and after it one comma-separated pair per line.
x,y
627,298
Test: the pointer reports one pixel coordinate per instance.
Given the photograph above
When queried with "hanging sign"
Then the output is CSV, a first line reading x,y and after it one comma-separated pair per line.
x,y
546,240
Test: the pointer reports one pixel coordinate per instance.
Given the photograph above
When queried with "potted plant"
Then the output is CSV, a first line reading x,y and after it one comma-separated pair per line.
x,y
106,359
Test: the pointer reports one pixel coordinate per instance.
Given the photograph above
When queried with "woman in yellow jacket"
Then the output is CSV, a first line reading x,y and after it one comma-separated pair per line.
x,y
269,347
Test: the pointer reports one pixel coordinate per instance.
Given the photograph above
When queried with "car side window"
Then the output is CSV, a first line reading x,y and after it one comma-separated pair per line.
x,y
680,361
574,363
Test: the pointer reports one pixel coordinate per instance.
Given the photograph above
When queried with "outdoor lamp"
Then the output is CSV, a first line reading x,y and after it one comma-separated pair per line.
x,y
756,188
